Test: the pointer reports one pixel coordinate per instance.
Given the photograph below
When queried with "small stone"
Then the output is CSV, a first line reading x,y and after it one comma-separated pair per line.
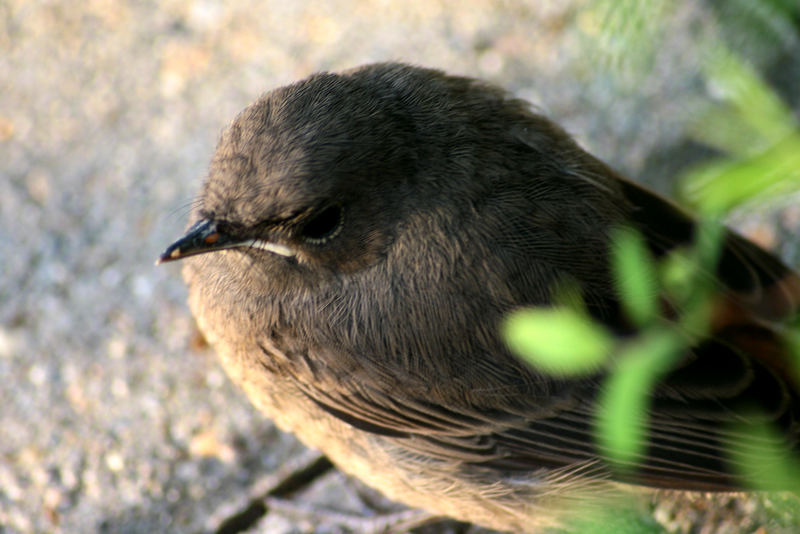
x,y
115,462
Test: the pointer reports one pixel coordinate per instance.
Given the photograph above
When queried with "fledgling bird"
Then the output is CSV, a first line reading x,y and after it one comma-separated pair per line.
x,y
356,245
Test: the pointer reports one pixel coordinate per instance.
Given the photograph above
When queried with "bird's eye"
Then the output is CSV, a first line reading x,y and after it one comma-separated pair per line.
x,y
324,225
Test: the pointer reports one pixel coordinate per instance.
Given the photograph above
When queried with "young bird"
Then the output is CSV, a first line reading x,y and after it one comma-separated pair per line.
x,y
356,245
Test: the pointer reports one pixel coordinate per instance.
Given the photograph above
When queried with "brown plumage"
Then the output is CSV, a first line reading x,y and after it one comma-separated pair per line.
x,y
371,229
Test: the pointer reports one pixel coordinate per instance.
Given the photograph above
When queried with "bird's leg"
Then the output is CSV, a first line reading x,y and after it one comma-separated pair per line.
x,y
292,478
396,522
274,494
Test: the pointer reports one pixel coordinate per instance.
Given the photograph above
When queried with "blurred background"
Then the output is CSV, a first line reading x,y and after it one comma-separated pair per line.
x,y
113,416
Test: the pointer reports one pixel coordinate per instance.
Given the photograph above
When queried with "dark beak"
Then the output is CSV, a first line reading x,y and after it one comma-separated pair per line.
x,y
202,237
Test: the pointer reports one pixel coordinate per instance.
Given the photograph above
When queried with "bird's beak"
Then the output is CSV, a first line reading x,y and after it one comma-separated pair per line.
x,y
204,237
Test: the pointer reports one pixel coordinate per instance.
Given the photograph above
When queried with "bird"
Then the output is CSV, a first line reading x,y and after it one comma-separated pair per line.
x,y
353,252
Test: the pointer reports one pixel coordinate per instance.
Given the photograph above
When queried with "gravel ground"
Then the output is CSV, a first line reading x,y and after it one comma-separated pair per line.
x,y
114,417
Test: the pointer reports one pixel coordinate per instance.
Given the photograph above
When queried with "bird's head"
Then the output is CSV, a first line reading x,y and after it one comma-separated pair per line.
x,y
318,173
325,175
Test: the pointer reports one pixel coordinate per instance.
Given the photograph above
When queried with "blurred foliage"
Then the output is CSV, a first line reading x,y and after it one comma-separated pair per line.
x,y
616,518
623,404
751,26
766,465
635,276
558,340
625,33
563,340
758,141
757,131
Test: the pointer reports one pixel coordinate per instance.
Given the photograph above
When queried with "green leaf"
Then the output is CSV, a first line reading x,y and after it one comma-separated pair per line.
x,y
764,459
624,402
719,186
560,341
686,276
708,240
755,127
678,272
566,293
610,516
757,108
635,276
